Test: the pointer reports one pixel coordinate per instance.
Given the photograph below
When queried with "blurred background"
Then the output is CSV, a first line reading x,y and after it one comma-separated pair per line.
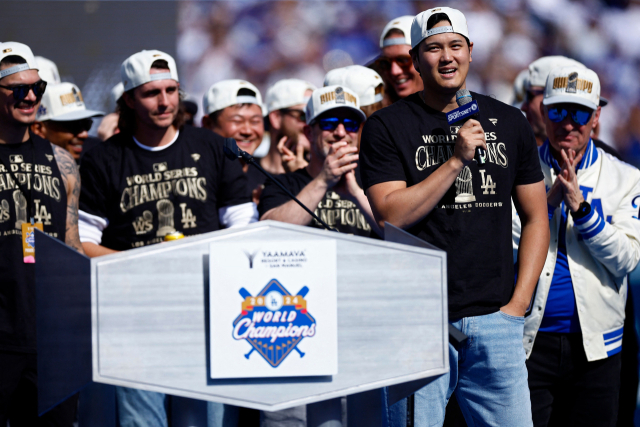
x,y
264,41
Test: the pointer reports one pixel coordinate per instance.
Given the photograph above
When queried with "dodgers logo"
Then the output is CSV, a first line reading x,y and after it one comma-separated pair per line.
x,y
274,322
30,239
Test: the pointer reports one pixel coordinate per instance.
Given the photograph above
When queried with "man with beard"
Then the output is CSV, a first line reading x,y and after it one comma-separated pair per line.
x,y
289,149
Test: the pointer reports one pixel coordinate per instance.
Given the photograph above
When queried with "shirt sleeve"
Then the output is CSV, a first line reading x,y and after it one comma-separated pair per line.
x,y
273,196
238,215
379,157
529,170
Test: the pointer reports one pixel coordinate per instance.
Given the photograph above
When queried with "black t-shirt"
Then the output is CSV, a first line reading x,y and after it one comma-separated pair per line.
x,y
341,214
17,279
408,141
147,194
255,179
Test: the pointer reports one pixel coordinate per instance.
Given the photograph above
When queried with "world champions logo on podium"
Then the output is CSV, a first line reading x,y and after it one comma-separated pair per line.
x,y
274,322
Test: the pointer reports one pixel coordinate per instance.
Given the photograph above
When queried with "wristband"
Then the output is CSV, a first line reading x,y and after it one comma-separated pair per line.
x,y
583,210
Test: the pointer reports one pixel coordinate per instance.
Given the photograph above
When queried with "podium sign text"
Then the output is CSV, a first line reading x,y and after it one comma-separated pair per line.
x,y
273,309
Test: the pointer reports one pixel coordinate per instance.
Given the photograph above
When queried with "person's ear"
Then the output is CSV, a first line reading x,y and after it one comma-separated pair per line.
x,y
39,129
596,117
307,132
414,59
128,99
275,120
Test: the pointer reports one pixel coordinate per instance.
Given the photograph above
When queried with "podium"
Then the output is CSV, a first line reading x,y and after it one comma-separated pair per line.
x,y
140,319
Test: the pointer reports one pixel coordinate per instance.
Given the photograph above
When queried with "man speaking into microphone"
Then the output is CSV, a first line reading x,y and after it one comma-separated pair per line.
x,y
419,173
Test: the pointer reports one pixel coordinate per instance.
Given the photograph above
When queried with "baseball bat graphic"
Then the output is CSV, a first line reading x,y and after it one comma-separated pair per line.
x,y
249,354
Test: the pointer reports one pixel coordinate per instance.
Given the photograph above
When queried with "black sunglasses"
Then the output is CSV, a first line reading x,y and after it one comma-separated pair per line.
x,y
296,114
20,92
331,123
76,126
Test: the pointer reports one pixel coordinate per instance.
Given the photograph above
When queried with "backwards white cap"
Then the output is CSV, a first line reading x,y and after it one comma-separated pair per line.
x,y
136,69
48,70
362,80
17,49
63,102
574,85
225,94
403,24
331,97
287,93
419,29
540,68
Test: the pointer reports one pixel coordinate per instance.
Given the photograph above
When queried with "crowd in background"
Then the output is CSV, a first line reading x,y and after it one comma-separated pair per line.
x,y
264,42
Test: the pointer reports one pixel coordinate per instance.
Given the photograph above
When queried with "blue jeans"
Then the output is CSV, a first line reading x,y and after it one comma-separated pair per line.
x,y
140,408
222,415
487,373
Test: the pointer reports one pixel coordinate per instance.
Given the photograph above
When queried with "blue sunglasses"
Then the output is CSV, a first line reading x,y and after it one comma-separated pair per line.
x,y
331,123
580,116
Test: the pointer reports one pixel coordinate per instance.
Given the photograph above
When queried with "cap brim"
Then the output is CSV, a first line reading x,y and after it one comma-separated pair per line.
x,y
603,101
77,115
569,99
360,112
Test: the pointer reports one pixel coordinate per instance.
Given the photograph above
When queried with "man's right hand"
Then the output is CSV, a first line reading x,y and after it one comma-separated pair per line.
x,y
341,159
470,136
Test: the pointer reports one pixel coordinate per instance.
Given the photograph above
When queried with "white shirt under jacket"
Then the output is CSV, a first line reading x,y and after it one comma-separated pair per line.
x,y
601,249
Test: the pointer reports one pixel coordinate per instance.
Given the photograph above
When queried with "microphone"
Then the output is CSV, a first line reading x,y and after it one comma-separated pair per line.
x,y
233,152
467,109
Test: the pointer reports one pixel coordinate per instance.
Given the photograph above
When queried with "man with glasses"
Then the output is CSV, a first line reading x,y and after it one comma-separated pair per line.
x,y
420,174
573,336
289,149
63,118
39,188
394,63
233,109
328,184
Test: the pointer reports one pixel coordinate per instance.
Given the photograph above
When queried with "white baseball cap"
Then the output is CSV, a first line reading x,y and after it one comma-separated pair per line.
x,y
225,94
575,85
540,68
419,29
136,69
63,102
287,93
403,24
520,85
17,49
362,80
331,97
48,70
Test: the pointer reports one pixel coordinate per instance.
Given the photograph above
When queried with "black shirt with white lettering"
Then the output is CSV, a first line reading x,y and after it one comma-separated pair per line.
x,y
41,176
408,141
338,213
145,195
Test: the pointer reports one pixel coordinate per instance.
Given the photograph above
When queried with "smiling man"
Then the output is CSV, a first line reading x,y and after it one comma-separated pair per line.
x,y
573,337
64,119
154,178
328,184
39,187
394,63
233,109
419,174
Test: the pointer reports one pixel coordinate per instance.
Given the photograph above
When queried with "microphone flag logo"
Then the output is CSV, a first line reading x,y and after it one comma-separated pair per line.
x,y
274,322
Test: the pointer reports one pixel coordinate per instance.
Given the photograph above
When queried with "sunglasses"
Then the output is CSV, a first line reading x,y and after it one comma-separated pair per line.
x,y
403,61
331,123
296,114
20,92
580,116
75,126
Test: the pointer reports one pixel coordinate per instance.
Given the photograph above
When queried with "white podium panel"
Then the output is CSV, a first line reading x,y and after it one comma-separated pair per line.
x,y
151,323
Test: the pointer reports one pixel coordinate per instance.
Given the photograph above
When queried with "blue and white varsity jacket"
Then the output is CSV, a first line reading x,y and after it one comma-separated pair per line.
x,y
602,249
